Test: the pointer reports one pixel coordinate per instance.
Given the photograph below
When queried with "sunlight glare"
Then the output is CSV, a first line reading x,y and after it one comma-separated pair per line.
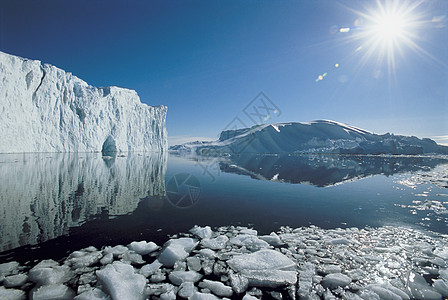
x,y
387,30
389,27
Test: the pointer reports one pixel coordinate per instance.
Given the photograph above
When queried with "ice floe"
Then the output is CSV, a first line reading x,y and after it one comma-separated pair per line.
x,y
237,263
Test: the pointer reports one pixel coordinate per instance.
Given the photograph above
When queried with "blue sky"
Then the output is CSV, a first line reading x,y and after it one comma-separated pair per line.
x,y
207,60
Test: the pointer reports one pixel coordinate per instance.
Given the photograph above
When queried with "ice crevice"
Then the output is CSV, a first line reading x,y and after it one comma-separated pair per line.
x,y
301,263
44,73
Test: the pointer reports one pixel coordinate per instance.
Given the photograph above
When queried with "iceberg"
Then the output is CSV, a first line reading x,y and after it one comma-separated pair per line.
x,y
45,109
321,136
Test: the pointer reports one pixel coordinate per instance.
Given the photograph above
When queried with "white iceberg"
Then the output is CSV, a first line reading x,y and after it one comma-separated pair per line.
x,y
45,109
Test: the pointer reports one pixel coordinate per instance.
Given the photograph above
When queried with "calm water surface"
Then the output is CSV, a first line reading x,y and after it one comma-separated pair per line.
x,y
52,204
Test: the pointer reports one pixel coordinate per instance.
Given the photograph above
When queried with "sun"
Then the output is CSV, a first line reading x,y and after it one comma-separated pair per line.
x,y
389,27
387,30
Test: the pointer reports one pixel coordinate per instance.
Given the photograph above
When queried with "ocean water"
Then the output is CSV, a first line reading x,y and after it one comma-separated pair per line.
x,y
53,204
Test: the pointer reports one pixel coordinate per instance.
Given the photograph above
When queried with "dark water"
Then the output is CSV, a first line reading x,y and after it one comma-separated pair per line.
x,y
52,204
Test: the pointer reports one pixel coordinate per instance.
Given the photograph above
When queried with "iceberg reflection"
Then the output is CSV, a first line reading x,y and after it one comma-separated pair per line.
x,y
43,195
324,170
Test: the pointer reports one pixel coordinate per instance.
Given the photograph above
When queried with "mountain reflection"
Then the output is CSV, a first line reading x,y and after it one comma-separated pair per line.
x,y
324,170
43,195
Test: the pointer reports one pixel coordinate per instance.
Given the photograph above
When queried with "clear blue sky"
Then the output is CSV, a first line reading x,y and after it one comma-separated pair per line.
x,y
206,60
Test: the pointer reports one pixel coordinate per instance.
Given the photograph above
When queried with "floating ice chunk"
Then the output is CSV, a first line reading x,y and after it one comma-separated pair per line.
x,y
143,247
270,278
171,254
306,273
441,286
8,268
179,277
158,277
170,295
107,259
335,280
249,297
159,288
92,294
441,252
194,263
203,296
11,294
328,269
80,259
207,253
418,288
187,243
52,291
186,290
202,232
150,269
339,241
176,250
249,231
49,272
217,243
116,251
121,282
239,283
251,242
384,293
217,288
132,258
265,259
443,273
207,266
15,280
273,239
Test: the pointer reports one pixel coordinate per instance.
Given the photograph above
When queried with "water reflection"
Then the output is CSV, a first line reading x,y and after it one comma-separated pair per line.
x,y
324,170
43,195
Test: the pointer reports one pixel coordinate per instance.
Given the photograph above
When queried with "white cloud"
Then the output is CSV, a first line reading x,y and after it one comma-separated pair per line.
x,y
441,139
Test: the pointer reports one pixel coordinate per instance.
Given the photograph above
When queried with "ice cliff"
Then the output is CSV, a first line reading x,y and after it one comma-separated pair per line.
x,y
45,109
320,136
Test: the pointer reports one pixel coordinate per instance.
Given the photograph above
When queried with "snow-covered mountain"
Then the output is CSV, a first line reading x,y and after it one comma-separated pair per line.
x,y
321,136
45,109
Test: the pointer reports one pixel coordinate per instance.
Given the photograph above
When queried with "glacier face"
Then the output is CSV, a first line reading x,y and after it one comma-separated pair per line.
x,y
322,136
45,109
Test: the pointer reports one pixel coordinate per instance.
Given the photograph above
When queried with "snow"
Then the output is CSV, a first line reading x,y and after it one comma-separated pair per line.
x,y
121,281
45,109
322,136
